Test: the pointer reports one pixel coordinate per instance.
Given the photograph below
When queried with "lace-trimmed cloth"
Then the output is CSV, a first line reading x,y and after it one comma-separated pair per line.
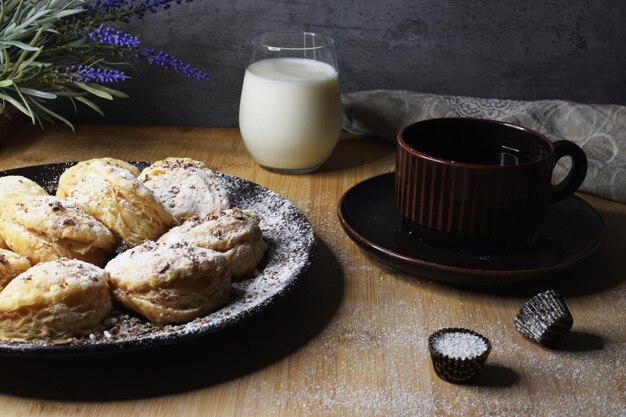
x,y
599,129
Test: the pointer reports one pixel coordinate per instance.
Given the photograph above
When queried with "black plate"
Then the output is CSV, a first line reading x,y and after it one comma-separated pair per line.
x,y
291,243
571,232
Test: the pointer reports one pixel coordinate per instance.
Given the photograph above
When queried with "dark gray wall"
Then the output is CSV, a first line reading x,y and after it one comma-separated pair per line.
x,y
570,49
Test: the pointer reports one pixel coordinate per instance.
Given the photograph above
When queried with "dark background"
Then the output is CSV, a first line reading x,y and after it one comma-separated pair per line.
x,y
567,49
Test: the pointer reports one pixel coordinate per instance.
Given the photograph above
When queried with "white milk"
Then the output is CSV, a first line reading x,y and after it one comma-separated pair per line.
x,y
290,112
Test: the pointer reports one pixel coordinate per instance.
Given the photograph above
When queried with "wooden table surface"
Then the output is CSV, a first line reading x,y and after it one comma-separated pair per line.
x,y
351,339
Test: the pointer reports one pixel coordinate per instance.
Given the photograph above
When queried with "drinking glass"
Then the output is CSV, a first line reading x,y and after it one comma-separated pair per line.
x,y
290,109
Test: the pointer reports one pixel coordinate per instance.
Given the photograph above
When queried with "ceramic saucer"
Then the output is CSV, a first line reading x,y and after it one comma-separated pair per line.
x,y
571,232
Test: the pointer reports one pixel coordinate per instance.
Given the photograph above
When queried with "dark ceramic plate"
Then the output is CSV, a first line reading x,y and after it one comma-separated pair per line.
x,y
571,232
291,243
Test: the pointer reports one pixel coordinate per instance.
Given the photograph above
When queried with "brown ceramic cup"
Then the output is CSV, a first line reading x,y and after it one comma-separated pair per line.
x,y
479,184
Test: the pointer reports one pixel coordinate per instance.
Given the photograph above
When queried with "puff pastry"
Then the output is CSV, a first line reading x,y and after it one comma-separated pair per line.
x,y
234,232
169,283
11,265
15,184
58,299
109,191
46,228
73,176
186,187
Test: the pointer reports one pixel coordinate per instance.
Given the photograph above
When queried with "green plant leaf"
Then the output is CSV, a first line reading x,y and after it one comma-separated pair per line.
x,y
38,93
32,114
34,56
17,104
91,104
53,114
69,12
18,44
113,92
7,62
23,55
95,90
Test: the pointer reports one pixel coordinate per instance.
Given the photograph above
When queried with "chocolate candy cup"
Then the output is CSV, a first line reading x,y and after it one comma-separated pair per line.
x,y
458,369
544,318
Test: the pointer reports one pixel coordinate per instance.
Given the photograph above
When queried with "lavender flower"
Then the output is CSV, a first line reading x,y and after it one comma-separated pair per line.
x,y
130,44
107,4
110,36
93,75
120,9
69,33
168,61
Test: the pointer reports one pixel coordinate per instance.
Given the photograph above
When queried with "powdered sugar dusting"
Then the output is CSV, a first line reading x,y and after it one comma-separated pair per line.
x,y
291,246
459,345
186,187
56,274
358,367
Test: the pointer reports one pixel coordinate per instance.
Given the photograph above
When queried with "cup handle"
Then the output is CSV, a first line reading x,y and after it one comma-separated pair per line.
x,y
576,174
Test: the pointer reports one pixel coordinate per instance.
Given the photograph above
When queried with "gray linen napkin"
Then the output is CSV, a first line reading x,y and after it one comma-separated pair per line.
x,y
599,129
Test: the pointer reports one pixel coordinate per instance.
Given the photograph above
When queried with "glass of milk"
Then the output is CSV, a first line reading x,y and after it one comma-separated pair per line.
x,y
290,109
